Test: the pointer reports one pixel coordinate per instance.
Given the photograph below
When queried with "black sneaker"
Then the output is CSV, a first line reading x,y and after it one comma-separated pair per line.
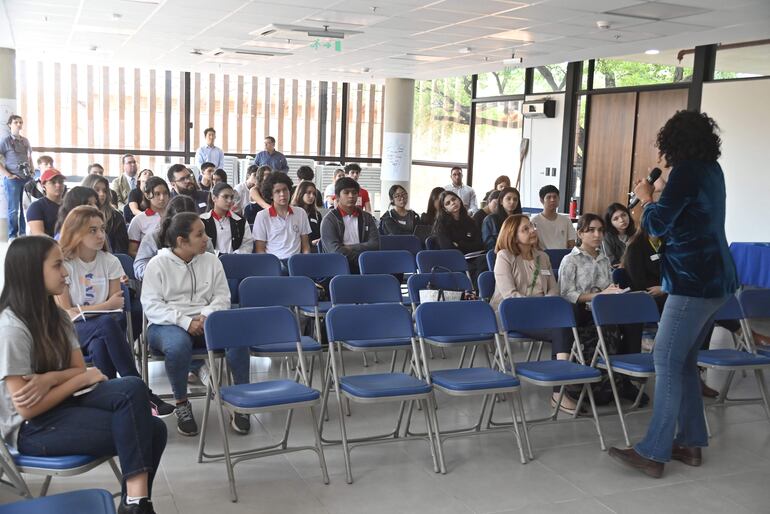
x,y
160,408
241,423
143,507
185,422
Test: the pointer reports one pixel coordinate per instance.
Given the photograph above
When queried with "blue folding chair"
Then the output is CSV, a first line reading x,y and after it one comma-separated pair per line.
x,y
536,313
239,266
486,285
377,324
491,258
431,243
621,278
394,262
455,281
291,292
470,323
623,309
755,304
452,260
15,464
556,256
320,267
249,327
86,501
406,242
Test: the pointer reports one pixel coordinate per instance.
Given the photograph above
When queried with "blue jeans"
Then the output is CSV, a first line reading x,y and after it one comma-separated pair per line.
x,y
678,403
103,339
14,189
177,345
113,419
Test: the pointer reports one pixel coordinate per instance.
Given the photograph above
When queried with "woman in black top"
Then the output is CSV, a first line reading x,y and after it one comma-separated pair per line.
x,y
619,228
455,229
136,201
429,217
489,209
115,225
508,204
306,198
398,219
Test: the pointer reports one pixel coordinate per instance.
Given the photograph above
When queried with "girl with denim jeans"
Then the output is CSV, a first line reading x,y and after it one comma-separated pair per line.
x,y
698,275
41,367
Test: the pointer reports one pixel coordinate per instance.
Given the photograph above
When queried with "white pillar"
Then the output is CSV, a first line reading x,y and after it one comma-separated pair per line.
x,y
397,136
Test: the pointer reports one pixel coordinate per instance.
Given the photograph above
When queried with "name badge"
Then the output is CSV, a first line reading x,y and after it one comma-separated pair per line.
x,y
202,205
655,257
401,222
545,272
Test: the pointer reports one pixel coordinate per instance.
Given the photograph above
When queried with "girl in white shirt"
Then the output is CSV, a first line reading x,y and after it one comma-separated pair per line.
x,y
157,193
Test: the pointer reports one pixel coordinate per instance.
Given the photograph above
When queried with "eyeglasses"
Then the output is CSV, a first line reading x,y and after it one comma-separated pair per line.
x,y
186,178
401,196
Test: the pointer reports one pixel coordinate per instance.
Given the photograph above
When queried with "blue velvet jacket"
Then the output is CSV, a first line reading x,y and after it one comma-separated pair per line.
x,y
690,216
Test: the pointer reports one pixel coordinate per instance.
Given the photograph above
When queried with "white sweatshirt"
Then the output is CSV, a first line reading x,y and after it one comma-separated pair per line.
x,y
174,291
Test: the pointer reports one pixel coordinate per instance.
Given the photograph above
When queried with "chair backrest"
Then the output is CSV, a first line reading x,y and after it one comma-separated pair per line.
x,y
486,285
454,281
128,265
431,243
346,289
475,319
386,261
318,266
625,308
406,242
621,278
755,303
285,291
453,260
236,328
536,313
556,256
491,258
731,310
239,266
368,322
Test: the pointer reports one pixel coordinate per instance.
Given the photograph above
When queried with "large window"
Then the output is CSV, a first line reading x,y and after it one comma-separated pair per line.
x,y
610,73
550,78
497,140
365,116
509,81
745,61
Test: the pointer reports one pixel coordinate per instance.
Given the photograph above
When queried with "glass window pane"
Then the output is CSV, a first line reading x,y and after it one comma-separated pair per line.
x,y
746,62
550,78
642,69
509,81
423,180
442,116
364,120
497,139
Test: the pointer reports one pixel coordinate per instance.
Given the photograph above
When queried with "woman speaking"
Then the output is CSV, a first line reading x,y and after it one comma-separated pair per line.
x,y
698,275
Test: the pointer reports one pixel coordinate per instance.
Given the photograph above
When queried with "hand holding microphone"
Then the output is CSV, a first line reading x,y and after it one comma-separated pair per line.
x,y
644,188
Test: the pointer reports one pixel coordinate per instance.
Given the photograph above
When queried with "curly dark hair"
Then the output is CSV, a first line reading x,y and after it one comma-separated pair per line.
x,y
689,135
272,180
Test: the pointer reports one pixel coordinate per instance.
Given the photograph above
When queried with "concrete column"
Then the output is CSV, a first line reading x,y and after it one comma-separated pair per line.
x,y
7,107
397,136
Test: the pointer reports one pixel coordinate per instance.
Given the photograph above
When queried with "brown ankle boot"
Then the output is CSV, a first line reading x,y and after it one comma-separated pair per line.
x,y
690,456
629,457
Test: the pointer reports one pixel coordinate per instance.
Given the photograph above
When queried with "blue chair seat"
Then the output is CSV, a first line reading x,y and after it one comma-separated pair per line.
x,y
58,463
634,362
556,371
266,394
374,343
472,379
763,350
323,308
461,338
512,334
92,501
728,357
308,345
383,384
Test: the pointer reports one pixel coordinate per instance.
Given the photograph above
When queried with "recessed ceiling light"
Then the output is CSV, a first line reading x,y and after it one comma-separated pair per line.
x,y
652,51
465,50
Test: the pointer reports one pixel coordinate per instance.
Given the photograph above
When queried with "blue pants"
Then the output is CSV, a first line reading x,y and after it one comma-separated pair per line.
x,y
14,189
177,346
103,339
685,322
113,419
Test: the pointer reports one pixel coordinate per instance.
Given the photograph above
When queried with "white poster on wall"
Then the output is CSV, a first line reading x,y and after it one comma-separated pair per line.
x,y
396,156
7,107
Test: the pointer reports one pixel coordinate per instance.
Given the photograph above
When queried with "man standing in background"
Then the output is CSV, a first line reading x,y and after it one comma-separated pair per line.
x,y
209,152
466,193
16,170
126,181
272,157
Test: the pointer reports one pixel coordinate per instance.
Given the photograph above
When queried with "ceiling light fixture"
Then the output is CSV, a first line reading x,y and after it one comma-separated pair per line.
x,y
603,24
652,51
465,50
513,61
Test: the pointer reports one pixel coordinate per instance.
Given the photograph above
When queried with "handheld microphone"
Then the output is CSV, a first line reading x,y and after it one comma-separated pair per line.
x,y
651,178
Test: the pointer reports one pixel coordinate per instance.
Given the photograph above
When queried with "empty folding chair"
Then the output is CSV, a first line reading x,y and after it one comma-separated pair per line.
x,y
90,501
452,260
249,327
239,266
377,324
486,285
320,267
399,263
623,309
556,255
491,258
529,314
472,323
406,242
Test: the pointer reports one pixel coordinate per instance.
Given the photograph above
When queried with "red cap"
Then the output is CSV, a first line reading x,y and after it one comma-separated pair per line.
x,y
49,174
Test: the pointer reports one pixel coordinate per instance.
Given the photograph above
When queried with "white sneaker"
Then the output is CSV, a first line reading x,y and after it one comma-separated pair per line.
x,y
204,374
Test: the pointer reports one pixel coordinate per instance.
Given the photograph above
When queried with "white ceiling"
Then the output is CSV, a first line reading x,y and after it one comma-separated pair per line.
x,y
399,38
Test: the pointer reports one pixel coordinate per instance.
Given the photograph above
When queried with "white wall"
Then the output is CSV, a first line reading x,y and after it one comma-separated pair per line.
x,y
742,110
545,137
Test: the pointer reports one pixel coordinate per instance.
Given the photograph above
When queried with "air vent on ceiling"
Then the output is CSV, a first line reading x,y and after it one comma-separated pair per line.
x,y
246,53
293,31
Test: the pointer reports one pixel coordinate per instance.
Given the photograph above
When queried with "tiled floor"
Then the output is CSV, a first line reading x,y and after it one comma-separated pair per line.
x,y
570,474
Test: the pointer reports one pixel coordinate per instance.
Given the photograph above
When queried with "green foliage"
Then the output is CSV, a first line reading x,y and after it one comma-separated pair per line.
x,y
614,73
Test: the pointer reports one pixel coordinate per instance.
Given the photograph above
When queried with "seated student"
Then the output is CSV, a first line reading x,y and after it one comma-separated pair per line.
x,y
353,171
255,202
501,183
117,232
348,229
207,170
585,273
306,197
398,219
227,231
429,216
33,189
183,183
182,285
41,366
136,200
554,230
280,230
490,207
507,205
156,196
43,212
75,197
218,176
94,285
329,197
455,229
620,229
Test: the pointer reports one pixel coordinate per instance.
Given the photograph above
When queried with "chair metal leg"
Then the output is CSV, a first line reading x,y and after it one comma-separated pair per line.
x,y
524,426
590,393
366,363
516,433
228,459
762,390
706,420
429,429
46,484
204,424
617,404
462,357
431,408
344,437
319,449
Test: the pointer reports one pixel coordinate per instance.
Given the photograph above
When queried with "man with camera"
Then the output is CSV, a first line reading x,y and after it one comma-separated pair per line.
x,y
17,171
